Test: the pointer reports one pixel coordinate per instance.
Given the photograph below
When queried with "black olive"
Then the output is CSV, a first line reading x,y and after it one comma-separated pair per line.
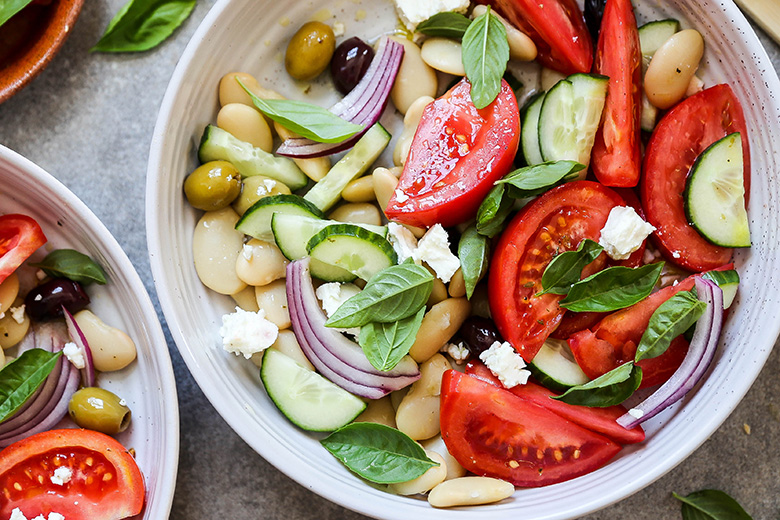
x,y
594,12
478,334
350,63
46,300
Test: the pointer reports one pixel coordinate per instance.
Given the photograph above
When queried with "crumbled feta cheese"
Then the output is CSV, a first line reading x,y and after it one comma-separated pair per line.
x,y
332,295
506,364
40,274
400,196
248,252
636,413
75,354
676,254
338,29
55,516
458,352
17,514
623,232
62,476
434,249
17,313
247,332
413,12
403,241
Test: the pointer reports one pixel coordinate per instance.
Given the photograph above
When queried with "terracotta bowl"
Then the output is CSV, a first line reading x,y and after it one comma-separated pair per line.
x,y
44,28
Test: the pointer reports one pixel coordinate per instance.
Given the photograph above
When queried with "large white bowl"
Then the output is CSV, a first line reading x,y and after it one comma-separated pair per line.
x,y
147,384
249,35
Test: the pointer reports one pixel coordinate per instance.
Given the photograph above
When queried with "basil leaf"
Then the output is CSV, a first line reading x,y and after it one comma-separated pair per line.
x,y
73,265
446,25
474,254
565,269
386,343
143,24
672,318
612,388
20,378
612,289
378,453
535,180
393,294
711,504
307,120
493,212
9,8
485,55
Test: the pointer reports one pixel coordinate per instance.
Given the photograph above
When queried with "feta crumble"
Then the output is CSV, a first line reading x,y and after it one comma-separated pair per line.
x,y
62,476
457,351
17,313
434,249
55,516
413,12
623,232
506,364
17,514
338,29
403,241
247,333
75,354
332,295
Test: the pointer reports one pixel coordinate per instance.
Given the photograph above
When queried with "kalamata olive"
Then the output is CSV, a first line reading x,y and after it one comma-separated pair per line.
x,y
594,11
46,300
350,63
478,334
309,51
98,409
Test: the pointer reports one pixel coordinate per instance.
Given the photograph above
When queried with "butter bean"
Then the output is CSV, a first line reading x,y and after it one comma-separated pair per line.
x,y
385,183
470,491
260,263
521,46
425,482
272,298
215,247
439,291
695,86
245,299
443,54
379,411
438,326
673,66
9,290
11,331
436,444
415,78
255,188
287,344
315,168
418,413
411,122
111,348
230,91
247,124
358,213
457,288
360,190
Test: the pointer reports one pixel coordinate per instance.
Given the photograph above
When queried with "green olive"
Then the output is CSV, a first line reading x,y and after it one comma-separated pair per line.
x,y
310,50
213,185
100,410
255,188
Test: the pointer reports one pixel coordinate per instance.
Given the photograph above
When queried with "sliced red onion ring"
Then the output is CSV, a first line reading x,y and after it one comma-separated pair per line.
x,y
700,354
363,105
77,336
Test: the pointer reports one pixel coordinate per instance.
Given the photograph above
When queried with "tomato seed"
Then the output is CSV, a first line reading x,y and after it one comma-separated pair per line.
x,y
17,486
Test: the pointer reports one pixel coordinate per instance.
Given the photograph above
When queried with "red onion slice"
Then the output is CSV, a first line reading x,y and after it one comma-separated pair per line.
x,y
77,336
700,354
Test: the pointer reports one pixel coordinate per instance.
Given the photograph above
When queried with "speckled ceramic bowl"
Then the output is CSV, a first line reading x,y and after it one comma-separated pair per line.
x,y
41,31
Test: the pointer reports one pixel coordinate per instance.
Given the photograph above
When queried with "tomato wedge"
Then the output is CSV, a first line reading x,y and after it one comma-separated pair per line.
x,y
490,431
599,420
20,236
457,153
105,484
558,29
678,139
616,156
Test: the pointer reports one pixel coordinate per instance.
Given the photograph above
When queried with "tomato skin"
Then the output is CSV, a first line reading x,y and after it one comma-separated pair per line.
x,y
457,153
89,454
20,236
558,29
616,156
678,139
490,431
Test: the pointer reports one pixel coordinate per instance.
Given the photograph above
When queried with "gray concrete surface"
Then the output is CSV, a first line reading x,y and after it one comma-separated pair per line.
x,y
88,120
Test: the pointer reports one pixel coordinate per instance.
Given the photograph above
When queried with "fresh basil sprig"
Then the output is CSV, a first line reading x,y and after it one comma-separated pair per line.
x,y
10,8
711,504
143,24
73,265
447,25
565,269
612,388
307,120
531,181
474,254
672,318
385,344
20,378
612,289
493,211
393,294
485,55
378,453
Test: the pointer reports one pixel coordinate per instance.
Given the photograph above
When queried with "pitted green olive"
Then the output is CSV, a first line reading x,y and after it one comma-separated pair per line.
x,y
310,50
100,410
213,185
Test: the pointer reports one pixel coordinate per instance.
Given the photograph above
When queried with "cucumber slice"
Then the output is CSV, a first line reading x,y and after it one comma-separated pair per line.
x,y
256,221
352,248
529,131
292,232
715,194
728,281
328,190
653,35
219,145
306,398
555,368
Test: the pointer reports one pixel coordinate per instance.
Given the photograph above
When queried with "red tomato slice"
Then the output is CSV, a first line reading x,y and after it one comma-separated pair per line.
x,y
555,222
573,322
558,29
599,420
490,431
458,152
678,139
106,483
616,156
20,236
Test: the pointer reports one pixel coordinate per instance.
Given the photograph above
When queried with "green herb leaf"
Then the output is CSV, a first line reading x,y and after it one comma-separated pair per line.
x,y
711,504
9,8
612,388
612,289
73,265
672,318
307,120
485,55
493,212
392,294
143,24
386,343
535,180
474,254
447,25
20,378
565,269
378,453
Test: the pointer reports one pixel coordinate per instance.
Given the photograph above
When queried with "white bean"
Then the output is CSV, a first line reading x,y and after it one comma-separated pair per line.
x,y
454,469
272,298
443,54
673,66
230,91
111,348
470,491
245,299
411,122
247,124
11,331
260,263
439,324
425,482
357,213
287,344
315,168
695,86
215,247
360,190
457,288
255,188
418,413
385,183
521,46
379,411
415,78
9,290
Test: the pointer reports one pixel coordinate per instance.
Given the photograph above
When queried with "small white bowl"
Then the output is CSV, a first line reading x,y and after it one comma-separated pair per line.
x,y
250,36
147,384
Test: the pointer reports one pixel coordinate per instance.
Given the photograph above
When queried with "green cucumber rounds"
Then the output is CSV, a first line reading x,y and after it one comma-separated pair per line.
x,y
715,194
